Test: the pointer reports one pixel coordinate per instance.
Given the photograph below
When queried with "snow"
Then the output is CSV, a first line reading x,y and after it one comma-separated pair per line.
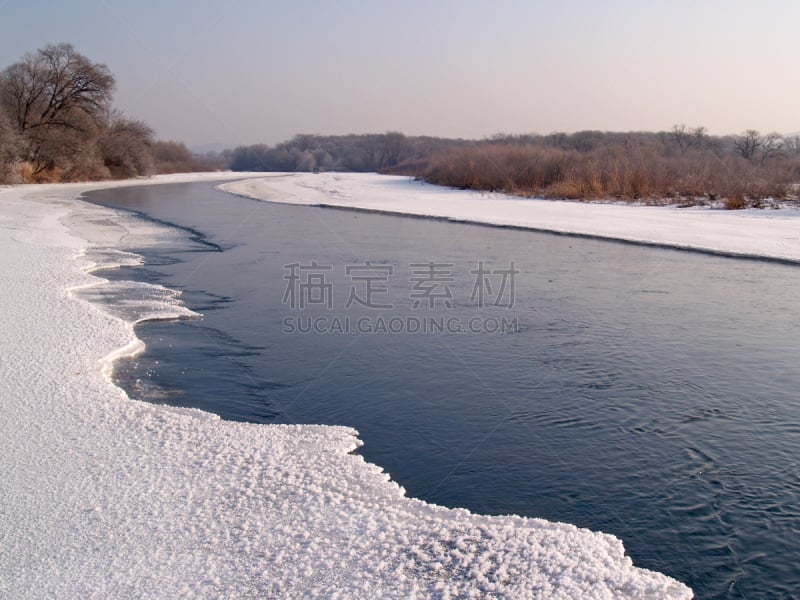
x,y
105,496
772,234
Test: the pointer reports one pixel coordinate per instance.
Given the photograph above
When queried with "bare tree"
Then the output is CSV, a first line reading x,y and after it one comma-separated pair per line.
x,y
792,144
771,146
395,146
681,137
125,147
9,144
755,147
685,138
55,93
748,144
47,87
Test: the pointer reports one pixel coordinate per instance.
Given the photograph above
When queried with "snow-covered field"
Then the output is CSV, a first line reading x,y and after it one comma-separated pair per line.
x,y
102,496
760,233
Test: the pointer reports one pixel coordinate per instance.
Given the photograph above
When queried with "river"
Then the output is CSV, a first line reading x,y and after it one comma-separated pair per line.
x,y
645,392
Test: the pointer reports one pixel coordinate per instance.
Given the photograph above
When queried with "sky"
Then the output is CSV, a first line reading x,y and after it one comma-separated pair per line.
x,y
224,74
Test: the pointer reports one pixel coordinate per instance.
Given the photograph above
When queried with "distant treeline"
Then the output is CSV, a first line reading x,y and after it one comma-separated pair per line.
x,y
57,123
683,165
355,153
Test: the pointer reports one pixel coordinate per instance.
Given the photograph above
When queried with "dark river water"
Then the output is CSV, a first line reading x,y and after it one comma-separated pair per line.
x,y
649,393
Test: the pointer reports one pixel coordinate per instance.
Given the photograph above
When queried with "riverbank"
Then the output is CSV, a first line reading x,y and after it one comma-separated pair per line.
x,y
107,496
766,234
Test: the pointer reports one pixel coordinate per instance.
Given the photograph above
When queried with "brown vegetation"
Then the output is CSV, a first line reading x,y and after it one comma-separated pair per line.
x,y
685,166
670,167
57,124
174,157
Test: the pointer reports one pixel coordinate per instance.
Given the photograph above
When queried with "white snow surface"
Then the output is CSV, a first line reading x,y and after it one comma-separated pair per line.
x,y
102,496
773,234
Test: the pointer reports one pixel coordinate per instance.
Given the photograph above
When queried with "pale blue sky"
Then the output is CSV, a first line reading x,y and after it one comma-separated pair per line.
x,y
246,72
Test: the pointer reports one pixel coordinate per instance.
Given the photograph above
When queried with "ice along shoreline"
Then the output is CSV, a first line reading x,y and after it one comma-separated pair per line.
x,y
772,235
104,495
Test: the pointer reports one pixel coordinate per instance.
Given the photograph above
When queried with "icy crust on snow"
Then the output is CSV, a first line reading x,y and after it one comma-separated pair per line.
x,y
104,496
771,234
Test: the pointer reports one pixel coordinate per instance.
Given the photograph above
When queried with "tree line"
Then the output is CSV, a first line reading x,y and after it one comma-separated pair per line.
x,y
57,123
354,153
683,165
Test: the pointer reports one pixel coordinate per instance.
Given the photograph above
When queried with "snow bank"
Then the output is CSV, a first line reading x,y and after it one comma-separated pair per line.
x,y
773,234
103,496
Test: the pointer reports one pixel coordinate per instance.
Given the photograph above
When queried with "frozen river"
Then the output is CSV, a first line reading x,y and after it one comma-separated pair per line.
x,y
644,392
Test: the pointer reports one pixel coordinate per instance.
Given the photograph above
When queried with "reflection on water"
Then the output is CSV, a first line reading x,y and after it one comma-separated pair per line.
x,y
648,393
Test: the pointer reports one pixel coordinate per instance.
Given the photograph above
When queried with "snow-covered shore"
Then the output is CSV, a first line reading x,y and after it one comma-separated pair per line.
x,y
104,496
773,234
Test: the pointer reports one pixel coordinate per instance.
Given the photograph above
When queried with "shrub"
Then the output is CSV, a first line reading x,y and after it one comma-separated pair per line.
x,y
735,202
643,167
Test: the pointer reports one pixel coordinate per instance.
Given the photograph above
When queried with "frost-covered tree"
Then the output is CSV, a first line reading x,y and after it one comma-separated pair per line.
x,y
756,147
125,146
9,145
58,99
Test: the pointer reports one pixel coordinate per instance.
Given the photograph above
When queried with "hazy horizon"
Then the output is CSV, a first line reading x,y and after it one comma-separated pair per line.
x,y
211,76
